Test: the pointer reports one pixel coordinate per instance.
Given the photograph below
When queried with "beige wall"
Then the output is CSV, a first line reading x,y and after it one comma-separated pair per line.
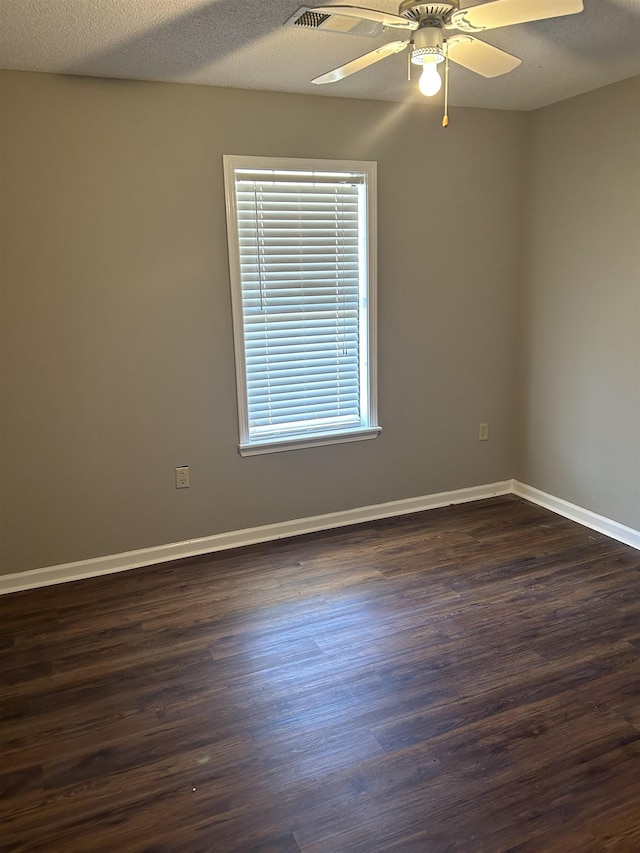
x,y
580,426
117,344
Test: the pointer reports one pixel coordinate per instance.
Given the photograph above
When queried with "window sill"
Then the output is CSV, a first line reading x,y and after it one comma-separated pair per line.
x,y
273,446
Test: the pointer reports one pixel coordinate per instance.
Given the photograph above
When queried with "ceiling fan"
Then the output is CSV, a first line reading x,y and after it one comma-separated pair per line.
x,y
429,42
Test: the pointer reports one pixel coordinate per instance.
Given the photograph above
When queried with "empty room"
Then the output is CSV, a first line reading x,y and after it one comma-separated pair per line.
x,y
320,426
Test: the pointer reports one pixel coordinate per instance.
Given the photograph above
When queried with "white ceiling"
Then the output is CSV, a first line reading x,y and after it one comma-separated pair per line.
x,y
243,44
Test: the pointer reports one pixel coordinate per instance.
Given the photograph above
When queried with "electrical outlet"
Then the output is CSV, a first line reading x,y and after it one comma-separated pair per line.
x,y
483,432
182,477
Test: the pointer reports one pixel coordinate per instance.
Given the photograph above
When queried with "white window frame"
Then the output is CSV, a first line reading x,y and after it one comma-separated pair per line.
x,y
368,426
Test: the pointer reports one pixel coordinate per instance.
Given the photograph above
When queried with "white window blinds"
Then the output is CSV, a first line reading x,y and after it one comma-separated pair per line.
x,y
303,299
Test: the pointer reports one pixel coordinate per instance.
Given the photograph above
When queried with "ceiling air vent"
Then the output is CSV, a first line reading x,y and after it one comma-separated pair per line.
x,y
308,18
311,19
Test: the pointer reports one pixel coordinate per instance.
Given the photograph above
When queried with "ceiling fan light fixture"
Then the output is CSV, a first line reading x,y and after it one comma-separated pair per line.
x,y
427,50
424,55
427,46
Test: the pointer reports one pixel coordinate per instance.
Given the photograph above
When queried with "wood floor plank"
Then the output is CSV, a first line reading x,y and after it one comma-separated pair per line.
x,y
464,679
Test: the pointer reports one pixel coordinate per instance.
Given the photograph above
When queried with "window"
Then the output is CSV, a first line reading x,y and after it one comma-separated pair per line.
x,y
302,247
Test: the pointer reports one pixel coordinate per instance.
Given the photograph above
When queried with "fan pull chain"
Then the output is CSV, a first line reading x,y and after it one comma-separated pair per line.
x,y
409,60
445,117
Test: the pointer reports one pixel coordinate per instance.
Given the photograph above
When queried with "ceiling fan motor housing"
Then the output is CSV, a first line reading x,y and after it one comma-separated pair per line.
x,y
424,12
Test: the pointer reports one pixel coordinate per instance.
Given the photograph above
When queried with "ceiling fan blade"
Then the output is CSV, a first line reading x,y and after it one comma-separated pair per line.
x,y
387,19
504,13
361,62
480,57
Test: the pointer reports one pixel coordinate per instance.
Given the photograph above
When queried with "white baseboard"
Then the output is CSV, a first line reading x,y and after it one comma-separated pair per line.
x,y
610,528
50,575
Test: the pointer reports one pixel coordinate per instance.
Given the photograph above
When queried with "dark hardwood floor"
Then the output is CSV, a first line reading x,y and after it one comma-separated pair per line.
x,y
465,679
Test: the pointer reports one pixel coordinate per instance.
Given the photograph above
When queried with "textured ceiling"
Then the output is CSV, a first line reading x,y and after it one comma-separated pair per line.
x,y
243,44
